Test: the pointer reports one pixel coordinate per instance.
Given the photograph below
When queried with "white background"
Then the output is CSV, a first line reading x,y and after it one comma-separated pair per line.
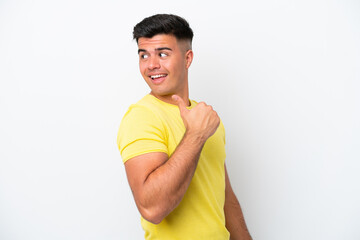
x,y
283,75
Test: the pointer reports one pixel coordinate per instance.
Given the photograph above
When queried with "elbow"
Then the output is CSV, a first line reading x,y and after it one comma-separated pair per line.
x,y
154,211
152,215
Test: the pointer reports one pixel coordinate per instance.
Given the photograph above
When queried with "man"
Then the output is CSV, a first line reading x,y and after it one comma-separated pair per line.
x,y
173,148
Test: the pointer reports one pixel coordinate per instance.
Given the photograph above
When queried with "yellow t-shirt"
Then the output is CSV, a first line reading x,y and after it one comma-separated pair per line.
x,y
152,125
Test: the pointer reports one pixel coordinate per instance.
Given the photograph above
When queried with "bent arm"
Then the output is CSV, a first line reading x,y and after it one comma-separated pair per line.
x,y
158,182
235,222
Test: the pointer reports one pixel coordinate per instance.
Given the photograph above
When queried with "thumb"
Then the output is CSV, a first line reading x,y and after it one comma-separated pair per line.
x,y
181,104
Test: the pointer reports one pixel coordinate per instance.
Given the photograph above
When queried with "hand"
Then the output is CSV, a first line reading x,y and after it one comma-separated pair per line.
x,y
202,120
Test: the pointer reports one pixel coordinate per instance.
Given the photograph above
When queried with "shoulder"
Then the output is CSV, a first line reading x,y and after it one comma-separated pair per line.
x,y
141,131
142,110
141,117
138,119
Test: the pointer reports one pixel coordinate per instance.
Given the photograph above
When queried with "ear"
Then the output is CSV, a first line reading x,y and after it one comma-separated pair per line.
x,y
188,58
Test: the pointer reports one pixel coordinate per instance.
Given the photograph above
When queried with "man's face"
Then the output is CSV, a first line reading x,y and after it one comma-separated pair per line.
x,y
164,63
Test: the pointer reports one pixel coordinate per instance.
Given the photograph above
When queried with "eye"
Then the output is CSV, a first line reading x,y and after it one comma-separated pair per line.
x,y
144,56
163,54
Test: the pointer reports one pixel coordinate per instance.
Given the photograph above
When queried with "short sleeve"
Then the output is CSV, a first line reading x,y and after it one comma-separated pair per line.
x,y
140,132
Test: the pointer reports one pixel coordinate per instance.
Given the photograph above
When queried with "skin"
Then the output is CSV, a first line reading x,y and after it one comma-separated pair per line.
x,y
234,218
159,182
164,54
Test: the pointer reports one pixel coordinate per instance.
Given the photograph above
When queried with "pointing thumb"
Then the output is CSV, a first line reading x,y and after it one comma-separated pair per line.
x,y
180,103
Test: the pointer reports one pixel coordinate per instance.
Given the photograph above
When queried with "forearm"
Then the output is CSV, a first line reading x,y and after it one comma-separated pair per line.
x,y
159,182
235,222
164,188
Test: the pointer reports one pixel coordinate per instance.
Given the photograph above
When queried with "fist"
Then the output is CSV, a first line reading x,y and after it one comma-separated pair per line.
x,y
201,121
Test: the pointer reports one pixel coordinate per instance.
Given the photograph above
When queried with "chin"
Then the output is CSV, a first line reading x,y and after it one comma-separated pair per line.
x,y
161,92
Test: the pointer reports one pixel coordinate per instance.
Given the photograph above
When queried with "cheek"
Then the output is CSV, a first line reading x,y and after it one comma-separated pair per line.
x,y
142,69
171,67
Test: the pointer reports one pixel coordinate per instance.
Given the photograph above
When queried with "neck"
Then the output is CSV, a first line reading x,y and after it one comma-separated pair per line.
x,y
182,91
168,98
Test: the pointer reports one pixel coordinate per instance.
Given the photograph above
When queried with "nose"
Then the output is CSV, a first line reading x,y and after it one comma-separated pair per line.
x,y
153,63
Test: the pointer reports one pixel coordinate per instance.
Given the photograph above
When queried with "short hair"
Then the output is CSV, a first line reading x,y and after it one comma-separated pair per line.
x,y
163,24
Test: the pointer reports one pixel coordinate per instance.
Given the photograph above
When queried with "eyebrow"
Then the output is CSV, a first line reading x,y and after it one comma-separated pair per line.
x,y
157,49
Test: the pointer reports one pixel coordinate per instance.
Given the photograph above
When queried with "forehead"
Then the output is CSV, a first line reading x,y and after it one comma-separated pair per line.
x,y
160,40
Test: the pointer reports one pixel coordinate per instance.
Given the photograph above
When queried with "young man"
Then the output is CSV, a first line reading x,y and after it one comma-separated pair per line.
x,y
174,148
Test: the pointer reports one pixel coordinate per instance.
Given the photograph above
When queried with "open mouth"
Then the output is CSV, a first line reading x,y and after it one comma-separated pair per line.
x,y
158,78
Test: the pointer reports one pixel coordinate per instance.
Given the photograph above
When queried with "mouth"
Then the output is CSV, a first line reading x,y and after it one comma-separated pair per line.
x,y
158,78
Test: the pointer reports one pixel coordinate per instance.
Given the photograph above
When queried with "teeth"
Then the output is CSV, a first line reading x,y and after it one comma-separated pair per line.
x,y
157,76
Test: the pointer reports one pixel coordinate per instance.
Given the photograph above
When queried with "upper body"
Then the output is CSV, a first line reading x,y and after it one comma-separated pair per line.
x,y
152,125
173,148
